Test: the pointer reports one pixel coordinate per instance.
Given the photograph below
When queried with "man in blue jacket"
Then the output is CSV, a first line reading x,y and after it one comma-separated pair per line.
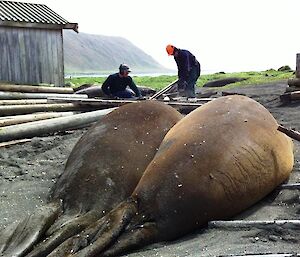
x,y
188,70
116,84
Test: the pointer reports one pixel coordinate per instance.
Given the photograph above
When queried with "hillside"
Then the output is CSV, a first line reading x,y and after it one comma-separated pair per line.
x,y
87,53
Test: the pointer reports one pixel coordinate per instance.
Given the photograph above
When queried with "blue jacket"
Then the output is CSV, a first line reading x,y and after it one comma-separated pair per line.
x,y
185,63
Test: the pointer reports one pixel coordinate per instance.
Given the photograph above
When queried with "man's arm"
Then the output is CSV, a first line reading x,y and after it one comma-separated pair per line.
x,y
135,88
106,85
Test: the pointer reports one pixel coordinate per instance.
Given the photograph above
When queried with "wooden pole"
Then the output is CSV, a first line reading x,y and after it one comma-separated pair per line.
x,y
289,132
92,101
164,90
14,142
263,255
290,96
102,102
26,101
26,109
36,89
290,186
44,127
18,119
17,95
232,224
295,95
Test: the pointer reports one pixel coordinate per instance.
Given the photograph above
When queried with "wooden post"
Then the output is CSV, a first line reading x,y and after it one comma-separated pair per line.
x,y
36,89
164,90
298,65
25,101
289,132
234,224
290,186
263,255
18,119
6,95
6,110
43,127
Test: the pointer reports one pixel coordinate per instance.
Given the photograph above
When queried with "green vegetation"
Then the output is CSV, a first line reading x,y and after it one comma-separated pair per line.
x,y
252,78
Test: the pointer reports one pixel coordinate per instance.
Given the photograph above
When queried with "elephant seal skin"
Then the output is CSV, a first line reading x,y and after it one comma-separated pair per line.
x,y
223,82
102,170
216,162
108,161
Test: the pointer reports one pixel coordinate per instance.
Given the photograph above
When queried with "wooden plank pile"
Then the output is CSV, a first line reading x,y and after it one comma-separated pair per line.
x,y
27,111
293,89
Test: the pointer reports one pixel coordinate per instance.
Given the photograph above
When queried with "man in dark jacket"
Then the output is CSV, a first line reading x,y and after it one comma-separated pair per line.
x,y
116,84
188,70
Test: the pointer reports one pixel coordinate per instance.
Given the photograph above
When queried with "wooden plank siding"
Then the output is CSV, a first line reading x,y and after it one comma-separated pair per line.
x,y
31,55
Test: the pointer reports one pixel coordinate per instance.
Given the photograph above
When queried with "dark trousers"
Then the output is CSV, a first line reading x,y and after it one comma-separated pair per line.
x,y
127,93
191,82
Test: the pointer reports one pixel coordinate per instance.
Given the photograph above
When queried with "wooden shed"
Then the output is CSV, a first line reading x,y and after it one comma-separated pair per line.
x,y
31,43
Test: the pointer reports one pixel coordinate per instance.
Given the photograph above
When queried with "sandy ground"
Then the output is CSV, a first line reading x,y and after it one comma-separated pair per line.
x,y
28,171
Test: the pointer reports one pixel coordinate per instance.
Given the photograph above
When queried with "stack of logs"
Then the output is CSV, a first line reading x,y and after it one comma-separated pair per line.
x,y
293,90
28,111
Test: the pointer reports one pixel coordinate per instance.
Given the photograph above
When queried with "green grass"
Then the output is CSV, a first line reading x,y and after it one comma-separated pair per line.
x,y
252,78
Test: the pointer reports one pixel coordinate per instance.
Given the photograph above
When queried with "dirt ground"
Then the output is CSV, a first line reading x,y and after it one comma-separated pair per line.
x,y
28,171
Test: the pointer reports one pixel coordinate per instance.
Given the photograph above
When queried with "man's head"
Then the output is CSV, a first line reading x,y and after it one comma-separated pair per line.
x,y
171,50
124,70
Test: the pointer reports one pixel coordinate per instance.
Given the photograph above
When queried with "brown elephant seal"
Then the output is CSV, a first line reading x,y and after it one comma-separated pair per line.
x,y
214,163
102,170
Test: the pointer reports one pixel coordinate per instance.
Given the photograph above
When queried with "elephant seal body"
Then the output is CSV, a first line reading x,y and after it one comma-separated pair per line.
x,y
102,170
223,82
90,90
214,163
108,161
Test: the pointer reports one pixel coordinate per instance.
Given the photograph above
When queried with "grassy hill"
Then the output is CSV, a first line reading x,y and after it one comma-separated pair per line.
x,y
87,53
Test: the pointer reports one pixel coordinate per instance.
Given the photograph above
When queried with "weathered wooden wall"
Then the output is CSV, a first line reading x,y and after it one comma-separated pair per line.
x,y
298,65
31,55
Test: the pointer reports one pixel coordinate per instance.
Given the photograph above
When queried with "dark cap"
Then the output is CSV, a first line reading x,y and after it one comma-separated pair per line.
x,y
124,67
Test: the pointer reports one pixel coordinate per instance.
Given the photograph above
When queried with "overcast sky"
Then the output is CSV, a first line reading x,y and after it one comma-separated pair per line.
x,y
224,35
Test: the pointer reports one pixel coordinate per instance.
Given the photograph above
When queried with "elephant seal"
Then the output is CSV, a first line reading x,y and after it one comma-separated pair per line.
x,y
214,163
96,91
223,82
90,91
102,170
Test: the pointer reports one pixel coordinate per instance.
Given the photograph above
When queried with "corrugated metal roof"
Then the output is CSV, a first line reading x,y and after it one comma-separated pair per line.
x,y
29,13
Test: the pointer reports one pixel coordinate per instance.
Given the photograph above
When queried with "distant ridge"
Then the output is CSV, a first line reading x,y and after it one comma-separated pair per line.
x,y
87,53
